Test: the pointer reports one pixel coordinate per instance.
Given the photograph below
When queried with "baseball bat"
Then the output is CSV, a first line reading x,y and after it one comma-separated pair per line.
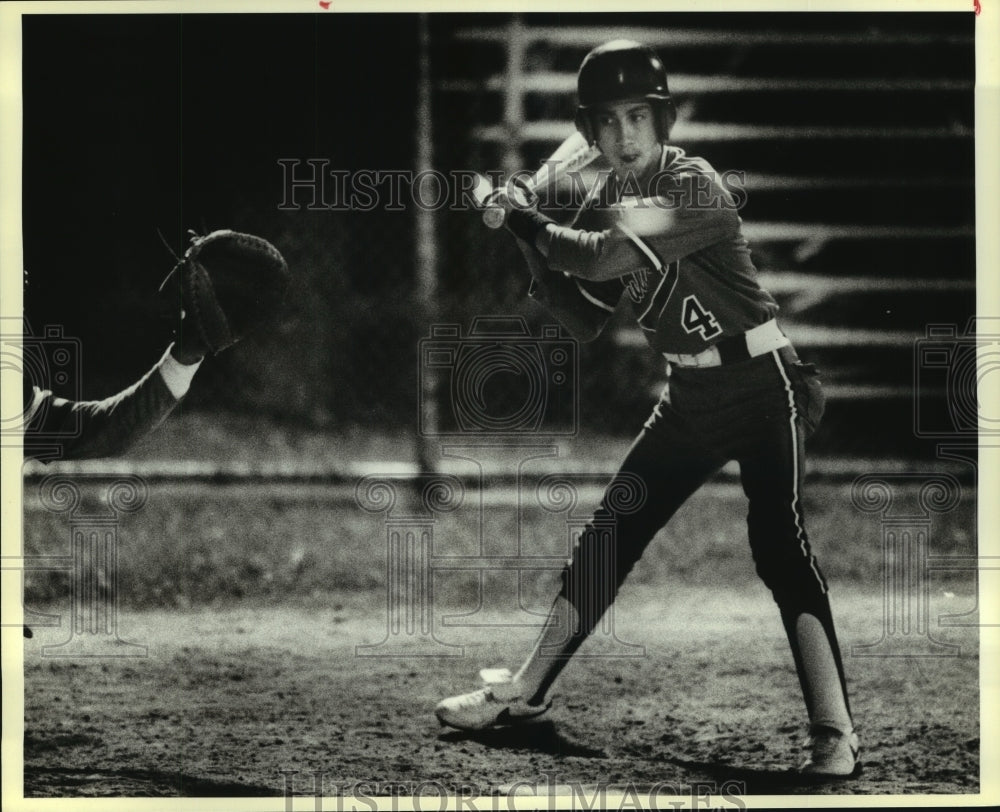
x,y
572,154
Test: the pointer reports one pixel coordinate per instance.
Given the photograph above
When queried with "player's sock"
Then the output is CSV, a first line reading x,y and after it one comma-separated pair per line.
x,y
548,678
825,697
560,634
822,676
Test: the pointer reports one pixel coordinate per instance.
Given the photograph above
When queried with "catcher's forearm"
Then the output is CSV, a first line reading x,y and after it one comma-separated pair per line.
x,y
101,428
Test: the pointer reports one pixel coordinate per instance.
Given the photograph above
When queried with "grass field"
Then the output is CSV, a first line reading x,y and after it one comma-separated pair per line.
x,y
193,544
251,601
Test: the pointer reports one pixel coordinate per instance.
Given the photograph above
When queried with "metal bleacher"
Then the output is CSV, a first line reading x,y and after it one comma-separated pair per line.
x,y
854,135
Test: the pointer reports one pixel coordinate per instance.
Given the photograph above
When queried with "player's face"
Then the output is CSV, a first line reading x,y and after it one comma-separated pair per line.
x,y
626,134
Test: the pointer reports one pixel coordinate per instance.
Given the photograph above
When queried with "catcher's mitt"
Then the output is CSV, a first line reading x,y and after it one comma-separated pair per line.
x,y
229,283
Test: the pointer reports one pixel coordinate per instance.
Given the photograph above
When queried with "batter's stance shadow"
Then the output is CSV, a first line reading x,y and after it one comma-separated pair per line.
x,y
756,781
542,737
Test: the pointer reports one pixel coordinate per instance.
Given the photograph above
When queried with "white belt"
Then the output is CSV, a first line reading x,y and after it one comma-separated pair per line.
x,y
760,340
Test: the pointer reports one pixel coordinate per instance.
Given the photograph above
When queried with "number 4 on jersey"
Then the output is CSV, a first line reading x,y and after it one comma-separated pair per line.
x,y
696,319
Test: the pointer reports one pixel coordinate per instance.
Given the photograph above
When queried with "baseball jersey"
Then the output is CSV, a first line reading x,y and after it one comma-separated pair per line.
x,y
690,279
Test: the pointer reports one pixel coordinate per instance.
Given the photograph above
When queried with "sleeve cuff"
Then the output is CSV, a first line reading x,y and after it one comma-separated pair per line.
x,y
176,376
527,223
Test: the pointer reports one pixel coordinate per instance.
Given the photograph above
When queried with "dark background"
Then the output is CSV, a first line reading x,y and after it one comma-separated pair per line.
x,y
140,124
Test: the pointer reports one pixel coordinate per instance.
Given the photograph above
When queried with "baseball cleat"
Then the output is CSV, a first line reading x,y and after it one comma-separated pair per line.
x,y
500,702
833,753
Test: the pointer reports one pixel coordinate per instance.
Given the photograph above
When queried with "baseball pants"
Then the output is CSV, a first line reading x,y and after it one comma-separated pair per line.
x,y
757,412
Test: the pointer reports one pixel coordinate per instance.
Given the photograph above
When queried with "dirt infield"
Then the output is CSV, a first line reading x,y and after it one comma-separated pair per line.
x,y
258,701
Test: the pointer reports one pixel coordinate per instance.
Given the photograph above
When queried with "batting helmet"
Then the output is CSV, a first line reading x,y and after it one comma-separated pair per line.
x,y
621,70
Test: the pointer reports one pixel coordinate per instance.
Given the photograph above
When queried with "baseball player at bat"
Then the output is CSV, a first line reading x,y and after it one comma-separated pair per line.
x,y
736,391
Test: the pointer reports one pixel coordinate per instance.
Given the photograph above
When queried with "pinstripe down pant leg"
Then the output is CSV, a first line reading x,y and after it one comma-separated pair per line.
x,y
757,412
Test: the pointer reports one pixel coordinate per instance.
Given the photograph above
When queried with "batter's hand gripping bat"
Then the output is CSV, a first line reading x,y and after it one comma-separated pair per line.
x,y
572,154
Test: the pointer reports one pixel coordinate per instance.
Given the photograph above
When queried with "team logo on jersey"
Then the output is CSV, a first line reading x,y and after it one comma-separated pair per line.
x,y
637,285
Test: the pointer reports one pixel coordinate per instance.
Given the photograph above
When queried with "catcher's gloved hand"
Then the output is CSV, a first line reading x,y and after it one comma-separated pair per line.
x,y
229,284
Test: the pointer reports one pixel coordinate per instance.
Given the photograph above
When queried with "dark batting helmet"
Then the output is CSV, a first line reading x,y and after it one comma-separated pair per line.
x,y
617,71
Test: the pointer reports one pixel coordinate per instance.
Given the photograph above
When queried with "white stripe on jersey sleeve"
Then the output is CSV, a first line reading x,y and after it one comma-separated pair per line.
x,y
591,298
628,232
